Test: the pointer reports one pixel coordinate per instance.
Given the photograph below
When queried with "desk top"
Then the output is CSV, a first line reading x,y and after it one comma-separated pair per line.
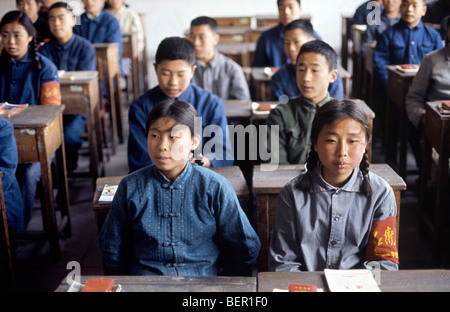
x,y
72,77
36,116
390,281
177,283
238,108
434,107
393,69
271,182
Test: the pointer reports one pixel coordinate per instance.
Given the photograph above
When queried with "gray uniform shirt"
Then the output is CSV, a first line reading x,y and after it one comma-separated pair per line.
x,y
223,77
328,227
431,83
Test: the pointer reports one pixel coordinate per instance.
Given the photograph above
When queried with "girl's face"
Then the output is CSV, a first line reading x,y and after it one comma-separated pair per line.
x,y
341,146
15,40
30,7
169,146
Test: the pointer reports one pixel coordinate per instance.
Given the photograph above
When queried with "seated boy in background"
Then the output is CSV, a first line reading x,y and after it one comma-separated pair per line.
x,y
284,81
269,49
174,66
31,8
407,42
99,26
316,69
215,72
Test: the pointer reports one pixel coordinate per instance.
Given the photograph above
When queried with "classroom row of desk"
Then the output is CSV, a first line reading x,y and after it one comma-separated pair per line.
x,y
389,281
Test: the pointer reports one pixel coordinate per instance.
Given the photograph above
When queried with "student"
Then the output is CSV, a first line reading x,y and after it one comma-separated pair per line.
x,y
174,66
8,166
269,48
129,20
407,42
215,72
431,83
389,17
69,52
316,69
174,217
284,81
31,8
26,76
99,26
337,214
365,11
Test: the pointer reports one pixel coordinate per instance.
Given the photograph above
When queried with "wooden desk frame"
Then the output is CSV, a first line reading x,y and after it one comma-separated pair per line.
x,y
267,196
81,96
437,136
130,50
38,136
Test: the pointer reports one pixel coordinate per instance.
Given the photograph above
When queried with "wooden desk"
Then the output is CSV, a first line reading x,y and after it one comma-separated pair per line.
x,y
39,133
80,94
234,21
177,283
346,76
390,281
261,84
368,80
397,89
232,173
346,37
241,53
437,136
358,60
6,265
238,111
233,35
131,51
107,55
268,184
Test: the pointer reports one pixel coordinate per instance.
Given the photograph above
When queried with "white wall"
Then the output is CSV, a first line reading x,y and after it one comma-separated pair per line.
x,y
166,18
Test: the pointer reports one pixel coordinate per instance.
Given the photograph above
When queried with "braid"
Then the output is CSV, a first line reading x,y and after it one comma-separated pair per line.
x,y
364,167
34,48
311,163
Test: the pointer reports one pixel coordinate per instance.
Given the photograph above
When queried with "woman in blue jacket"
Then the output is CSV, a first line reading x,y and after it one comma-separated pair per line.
x,y
26,77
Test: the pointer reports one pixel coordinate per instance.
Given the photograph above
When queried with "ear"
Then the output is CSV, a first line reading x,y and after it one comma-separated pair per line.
x,y
155,65
216,39
424,10
333,75
194,67
195,142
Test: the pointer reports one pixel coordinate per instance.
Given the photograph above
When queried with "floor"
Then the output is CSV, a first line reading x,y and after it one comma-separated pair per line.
x,y
34,271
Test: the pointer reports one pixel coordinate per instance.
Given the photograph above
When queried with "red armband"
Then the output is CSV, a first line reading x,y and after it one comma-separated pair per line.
x,y
383,241
50,93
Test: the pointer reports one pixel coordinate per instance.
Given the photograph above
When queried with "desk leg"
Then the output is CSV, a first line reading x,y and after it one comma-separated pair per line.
x,y
118,106
403,140
112,112
99,141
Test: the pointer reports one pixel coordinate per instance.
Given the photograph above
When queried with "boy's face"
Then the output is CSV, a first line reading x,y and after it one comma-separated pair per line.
x,y
174,76
340,146
392,6
293,41
314,76
412,11
204,41
93,6
169,146
30,7
288,11
61,23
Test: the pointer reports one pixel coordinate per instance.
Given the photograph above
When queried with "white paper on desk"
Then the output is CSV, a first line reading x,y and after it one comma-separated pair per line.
x,y
351,281
108,193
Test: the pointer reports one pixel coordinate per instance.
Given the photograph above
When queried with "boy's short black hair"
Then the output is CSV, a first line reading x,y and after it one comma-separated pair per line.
x,y
320,47
299,3
61,4
175,48
205,20
302,24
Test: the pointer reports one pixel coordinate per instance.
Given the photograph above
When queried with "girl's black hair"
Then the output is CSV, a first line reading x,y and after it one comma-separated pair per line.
x,y
23,19
326,114
182,112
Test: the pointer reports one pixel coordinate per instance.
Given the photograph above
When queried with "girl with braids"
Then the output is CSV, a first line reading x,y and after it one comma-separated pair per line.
x,y
337,214
26,77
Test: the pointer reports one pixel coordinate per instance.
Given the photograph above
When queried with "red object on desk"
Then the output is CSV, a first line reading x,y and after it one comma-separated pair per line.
x,y
302,288
446,105
98,285
264,107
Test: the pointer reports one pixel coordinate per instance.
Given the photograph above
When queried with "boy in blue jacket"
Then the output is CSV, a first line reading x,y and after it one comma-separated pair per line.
x,y
174,65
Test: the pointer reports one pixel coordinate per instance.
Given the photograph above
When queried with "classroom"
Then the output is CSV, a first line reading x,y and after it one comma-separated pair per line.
x,y
224,146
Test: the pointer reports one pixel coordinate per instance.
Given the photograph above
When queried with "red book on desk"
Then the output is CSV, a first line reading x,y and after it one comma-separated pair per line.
x,y
98,285
446,105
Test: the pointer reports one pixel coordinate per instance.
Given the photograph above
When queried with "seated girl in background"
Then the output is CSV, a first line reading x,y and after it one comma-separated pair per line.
x,y
175,217
26,77
337,214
